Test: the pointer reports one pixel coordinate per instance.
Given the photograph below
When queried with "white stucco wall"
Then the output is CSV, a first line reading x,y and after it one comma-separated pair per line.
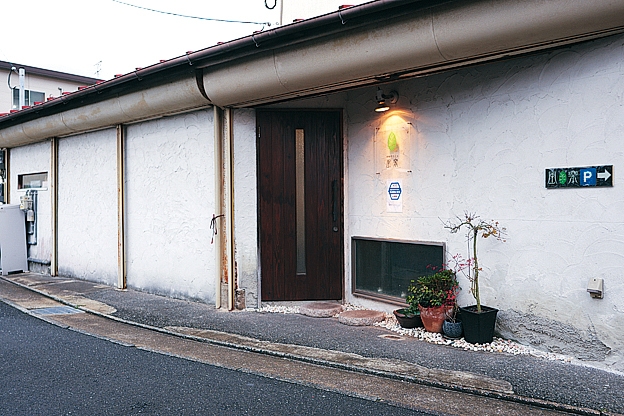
x,y
246,204
482,139
169,204
34,159
87,206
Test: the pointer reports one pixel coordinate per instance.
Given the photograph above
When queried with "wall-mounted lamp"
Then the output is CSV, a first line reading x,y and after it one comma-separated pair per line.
x,y
383,100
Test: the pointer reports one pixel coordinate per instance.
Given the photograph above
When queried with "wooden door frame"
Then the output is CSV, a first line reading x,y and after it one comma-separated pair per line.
x,y
340,113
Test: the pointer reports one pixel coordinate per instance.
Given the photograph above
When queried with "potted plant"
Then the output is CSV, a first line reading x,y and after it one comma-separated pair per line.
x,y
408,317
435,294
452,326
478,321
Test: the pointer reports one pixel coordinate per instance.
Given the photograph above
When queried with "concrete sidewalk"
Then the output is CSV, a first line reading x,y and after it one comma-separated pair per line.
x,y
370,349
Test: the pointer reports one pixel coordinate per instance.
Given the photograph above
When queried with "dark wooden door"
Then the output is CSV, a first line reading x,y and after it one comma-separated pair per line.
x,y
300,204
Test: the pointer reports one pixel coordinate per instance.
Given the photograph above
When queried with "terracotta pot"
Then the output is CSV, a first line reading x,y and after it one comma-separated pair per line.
x,y
433,317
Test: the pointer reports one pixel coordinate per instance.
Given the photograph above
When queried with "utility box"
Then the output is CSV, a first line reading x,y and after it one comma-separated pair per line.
x,y
13,253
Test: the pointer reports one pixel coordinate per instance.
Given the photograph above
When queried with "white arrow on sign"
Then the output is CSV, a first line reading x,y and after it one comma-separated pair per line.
x,y
604,175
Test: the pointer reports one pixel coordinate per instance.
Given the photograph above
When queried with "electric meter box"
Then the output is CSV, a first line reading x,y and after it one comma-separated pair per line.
x,y
13,253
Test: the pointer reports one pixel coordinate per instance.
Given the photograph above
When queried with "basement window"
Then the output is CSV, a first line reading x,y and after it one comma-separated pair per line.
x,y
383,269
33,181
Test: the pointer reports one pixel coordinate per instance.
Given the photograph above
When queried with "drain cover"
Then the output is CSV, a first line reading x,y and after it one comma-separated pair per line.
x,y
56,310
392,337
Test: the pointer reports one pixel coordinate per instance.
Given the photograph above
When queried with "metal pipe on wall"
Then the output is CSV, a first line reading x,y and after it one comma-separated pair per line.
x,y
6,180
229,201
218,177
54,204
121,195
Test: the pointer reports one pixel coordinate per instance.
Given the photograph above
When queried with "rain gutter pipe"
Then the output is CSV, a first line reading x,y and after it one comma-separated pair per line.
x,y
229,209
121,199
218,186
54,165
380,41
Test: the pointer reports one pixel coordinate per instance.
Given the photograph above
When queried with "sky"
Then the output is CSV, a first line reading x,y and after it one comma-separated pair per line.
x,y
83,37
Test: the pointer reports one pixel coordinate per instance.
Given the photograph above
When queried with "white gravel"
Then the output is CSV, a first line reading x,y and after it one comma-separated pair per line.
x,y
499,345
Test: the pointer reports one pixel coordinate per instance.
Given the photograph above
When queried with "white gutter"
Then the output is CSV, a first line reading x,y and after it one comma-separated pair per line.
x,y
170,98
449,35
453,34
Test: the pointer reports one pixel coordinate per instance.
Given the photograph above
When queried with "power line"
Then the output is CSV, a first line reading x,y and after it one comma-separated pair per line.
x,y
193,17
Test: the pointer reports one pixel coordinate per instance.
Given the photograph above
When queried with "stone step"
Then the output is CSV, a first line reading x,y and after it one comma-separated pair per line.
x,y
364,317
321,309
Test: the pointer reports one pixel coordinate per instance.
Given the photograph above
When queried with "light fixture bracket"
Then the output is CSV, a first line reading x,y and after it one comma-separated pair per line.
x,y
383,100
392,97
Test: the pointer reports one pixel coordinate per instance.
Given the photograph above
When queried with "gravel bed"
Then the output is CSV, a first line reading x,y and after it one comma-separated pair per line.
x,y
498,345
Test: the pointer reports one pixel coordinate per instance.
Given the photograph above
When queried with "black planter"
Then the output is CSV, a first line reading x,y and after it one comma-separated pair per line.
x,y
407,321
478,327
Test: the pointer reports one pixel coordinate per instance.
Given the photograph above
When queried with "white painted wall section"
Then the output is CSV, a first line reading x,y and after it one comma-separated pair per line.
x,y
169,205
34,159
246,204
87,206
482,140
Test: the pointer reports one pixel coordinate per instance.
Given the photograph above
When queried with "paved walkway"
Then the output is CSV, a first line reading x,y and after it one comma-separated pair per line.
x,y
553,384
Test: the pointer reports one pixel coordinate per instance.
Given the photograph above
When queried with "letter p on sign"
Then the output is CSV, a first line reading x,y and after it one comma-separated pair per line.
x,y
588,177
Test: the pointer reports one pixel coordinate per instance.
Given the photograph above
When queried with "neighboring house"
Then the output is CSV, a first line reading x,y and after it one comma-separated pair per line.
x,y
272,140
39,85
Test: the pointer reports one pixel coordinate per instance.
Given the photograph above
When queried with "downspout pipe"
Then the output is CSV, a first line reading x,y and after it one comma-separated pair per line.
x,y
229,202
121,212
54,147
218,186
6,180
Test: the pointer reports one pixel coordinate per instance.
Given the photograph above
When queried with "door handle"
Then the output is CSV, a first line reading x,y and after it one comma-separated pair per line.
x,y
335,202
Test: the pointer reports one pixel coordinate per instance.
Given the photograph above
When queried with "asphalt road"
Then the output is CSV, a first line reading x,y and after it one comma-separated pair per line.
x,y
49,370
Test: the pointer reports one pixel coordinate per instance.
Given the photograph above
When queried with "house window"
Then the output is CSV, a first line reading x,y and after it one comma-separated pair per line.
x,y
30,97
383,269
32,181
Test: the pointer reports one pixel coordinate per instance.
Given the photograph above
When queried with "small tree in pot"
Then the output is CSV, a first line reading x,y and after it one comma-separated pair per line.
x,y
478,321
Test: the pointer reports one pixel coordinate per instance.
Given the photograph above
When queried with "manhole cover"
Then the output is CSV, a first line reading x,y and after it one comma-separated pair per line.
x,y
56,310
392,337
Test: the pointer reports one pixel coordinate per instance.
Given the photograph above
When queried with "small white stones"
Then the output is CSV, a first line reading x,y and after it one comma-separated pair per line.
x,y
276,309
499,345
389,322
